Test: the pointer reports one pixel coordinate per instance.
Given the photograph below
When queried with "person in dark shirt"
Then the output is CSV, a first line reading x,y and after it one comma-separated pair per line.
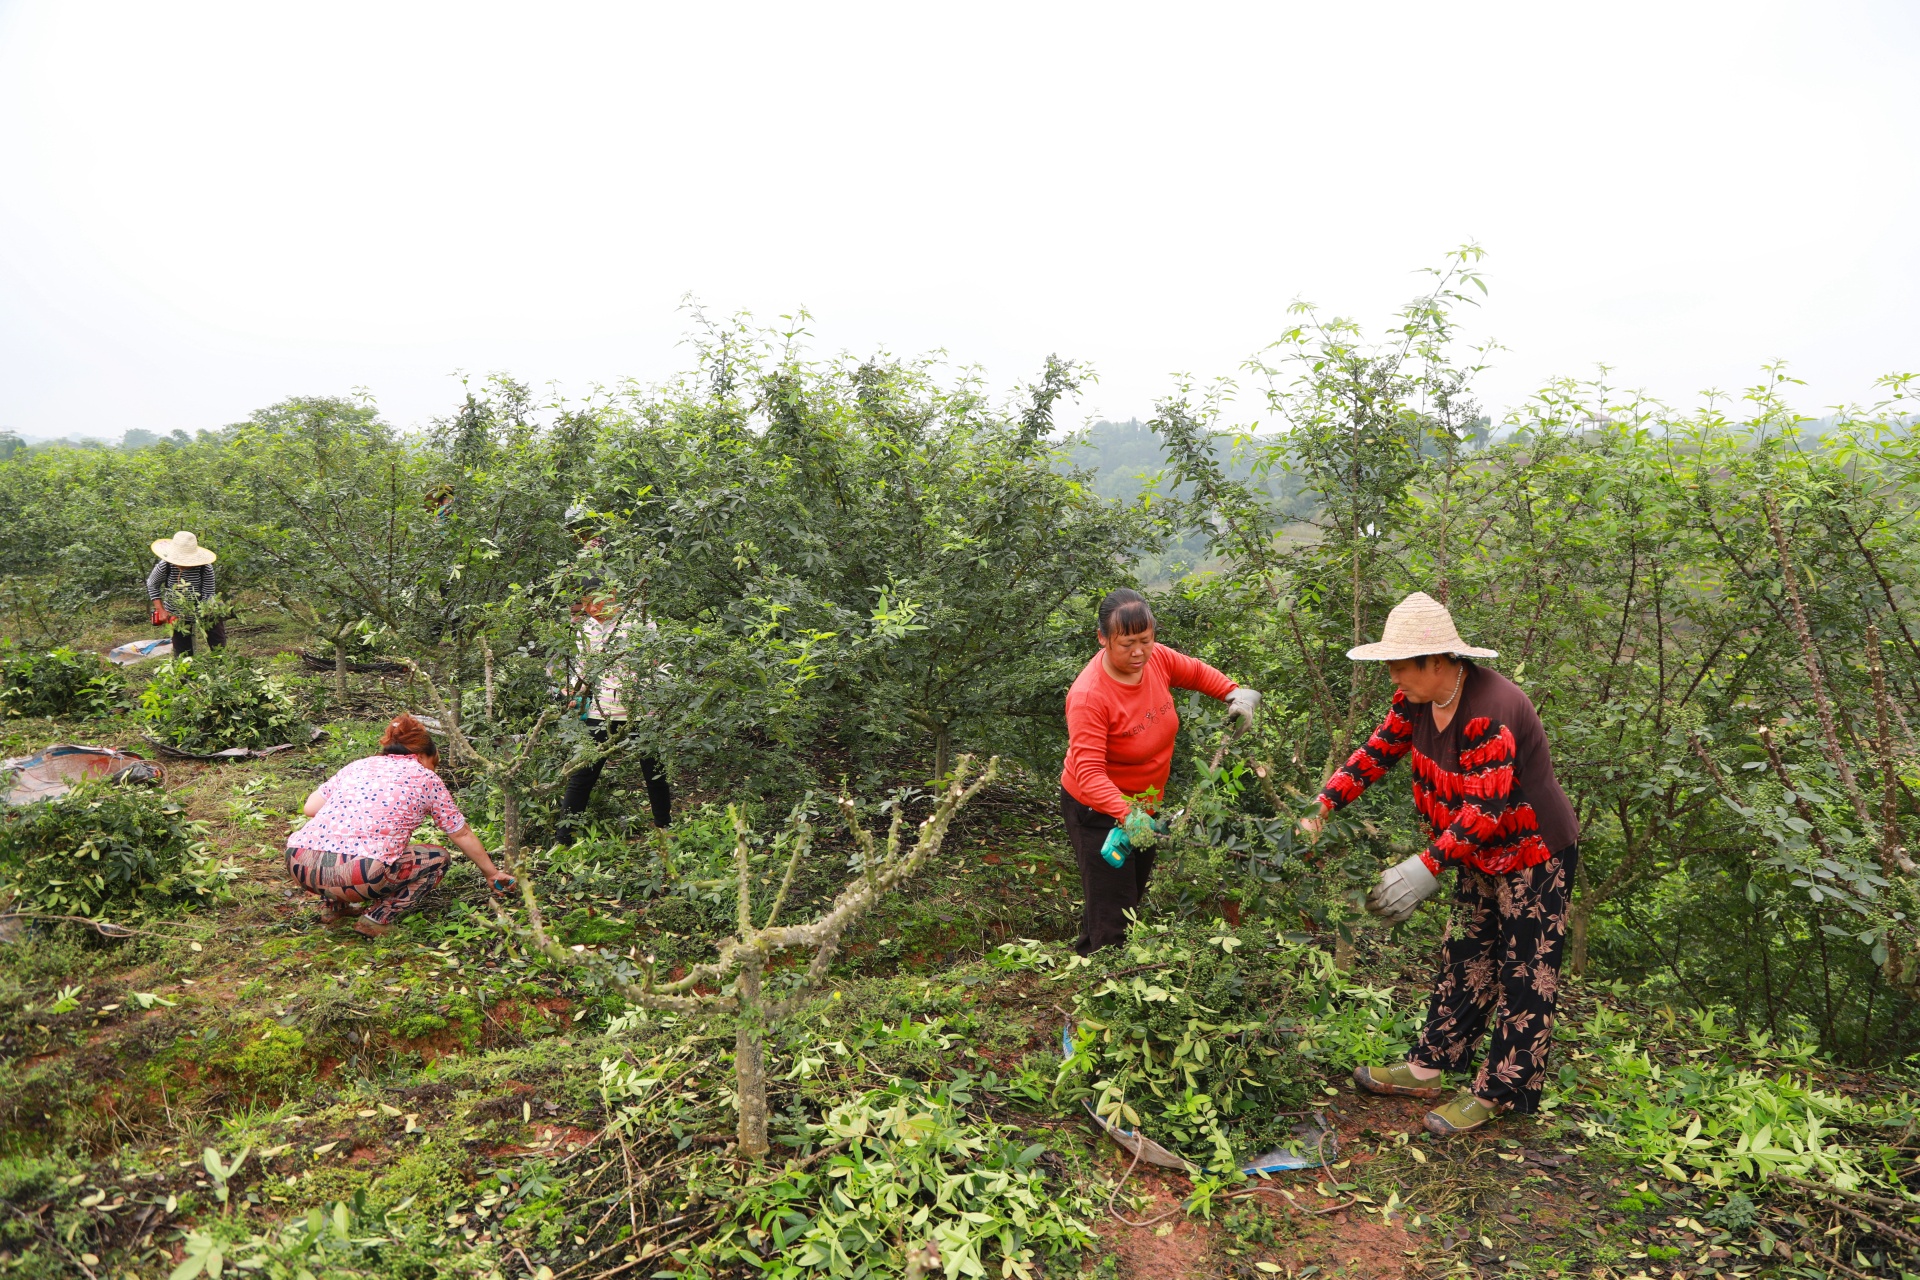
x,y
1483,780
178,583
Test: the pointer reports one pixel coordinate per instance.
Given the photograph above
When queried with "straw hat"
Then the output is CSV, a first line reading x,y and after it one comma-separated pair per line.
x,y
184,550
1418,625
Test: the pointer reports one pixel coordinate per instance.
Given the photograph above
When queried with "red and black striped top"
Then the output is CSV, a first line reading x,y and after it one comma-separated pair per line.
x,y
1485,783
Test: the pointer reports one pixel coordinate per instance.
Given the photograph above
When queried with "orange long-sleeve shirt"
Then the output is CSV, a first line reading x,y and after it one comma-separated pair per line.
x,y
1120,736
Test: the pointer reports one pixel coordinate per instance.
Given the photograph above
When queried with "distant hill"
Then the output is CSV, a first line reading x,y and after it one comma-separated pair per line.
x,y
1125,457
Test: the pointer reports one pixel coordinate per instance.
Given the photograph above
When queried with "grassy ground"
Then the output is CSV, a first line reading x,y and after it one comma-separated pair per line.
x,y
435,1097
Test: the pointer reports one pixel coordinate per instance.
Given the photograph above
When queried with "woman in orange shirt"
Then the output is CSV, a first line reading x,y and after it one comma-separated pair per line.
x,y
1120,730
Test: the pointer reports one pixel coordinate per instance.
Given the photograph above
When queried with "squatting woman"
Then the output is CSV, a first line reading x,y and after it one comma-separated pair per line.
x,y
1120,730
355,851
1483,780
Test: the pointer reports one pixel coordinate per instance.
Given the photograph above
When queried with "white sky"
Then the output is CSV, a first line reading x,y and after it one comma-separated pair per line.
x,y
205,208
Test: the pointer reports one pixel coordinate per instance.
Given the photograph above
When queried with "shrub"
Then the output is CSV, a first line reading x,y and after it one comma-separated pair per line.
x,y
45,611
56,682
102,846
212,703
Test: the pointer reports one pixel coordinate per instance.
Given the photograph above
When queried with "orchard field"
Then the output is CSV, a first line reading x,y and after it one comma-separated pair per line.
x,y
830,1022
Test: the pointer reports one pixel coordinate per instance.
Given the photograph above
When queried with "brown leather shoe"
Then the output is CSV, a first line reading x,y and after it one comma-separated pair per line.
x,y
1396,1081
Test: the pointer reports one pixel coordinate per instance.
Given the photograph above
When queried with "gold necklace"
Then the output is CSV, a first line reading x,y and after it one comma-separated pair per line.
x,y
1459,682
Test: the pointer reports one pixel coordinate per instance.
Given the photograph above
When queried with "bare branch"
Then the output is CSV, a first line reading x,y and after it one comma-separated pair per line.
x,y
1810,657
802,838
486,652
1891,853
449,720
1799,800
742,871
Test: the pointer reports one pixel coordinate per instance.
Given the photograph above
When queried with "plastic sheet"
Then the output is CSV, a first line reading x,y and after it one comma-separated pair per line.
x,y
123,655
62,766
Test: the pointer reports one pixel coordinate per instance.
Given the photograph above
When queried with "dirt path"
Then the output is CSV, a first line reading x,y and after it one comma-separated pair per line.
x,y
1481,1200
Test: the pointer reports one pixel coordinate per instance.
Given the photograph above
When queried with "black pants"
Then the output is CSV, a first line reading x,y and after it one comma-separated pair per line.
x,y
1502,961
1110,892
581,782
216,638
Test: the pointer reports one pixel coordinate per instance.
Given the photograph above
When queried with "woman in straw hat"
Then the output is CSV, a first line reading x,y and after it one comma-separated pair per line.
x,y
1483,780
183,574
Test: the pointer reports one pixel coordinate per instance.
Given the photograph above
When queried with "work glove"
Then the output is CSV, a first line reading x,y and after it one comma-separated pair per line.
x,y
1139,826
1401,889
1241,704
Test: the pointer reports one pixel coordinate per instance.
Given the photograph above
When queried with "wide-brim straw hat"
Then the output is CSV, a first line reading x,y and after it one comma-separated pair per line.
x,y
184,550
1417,626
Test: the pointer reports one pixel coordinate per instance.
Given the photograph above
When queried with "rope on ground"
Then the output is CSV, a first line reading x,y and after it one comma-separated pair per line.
x,y
1115,1195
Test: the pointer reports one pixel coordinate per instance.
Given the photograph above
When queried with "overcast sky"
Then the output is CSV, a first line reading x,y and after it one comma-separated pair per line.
x,y
205,208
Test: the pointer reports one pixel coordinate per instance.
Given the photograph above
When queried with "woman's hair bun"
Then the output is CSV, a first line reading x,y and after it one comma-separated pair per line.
x,y
406,732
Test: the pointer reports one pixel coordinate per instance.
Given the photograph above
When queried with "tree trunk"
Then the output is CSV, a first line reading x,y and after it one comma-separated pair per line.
x,y
1579,916
1352,726
509,827
749,1063
942,748
340,668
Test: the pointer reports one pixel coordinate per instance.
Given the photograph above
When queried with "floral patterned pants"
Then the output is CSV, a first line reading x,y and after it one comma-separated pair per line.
x,y
1501,961
394,887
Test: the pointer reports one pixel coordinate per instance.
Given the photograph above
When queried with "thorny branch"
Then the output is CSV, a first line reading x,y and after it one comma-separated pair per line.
x,y
883,869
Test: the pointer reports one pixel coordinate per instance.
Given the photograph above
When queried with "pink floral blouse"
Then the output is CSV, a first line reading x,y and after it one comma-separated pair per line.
x,y
369,808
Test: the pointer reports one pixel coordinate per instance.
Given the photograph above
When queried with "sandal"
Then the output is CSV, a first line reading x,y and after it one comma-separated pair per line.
x,y
1397,1080
1463,1114
371,928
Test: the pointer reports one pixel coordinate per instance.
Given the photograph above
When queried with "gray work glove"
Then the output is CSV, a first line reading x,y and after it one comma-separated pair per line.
x,y
1401,889
1241,704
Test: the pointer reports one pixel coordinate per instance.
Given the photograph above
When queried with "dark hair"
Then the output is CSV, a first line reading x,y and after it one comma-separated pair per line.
x,y
1420,659
1125,612
406,736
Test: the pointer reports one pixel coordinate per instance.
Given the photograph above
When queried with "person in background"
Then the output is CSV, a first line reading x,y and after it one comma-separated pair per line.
x,y
356,852
1120,731
180,582
1483,780
599,622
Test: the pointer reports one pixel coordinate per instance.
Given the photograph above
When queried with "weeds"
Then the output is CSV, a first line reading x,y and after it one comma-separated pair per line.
x,y
1709,1119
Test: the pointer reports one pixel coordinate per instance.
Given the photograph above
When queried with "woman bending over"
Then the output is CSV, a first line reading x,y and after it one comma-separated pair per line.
x,y
356,854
